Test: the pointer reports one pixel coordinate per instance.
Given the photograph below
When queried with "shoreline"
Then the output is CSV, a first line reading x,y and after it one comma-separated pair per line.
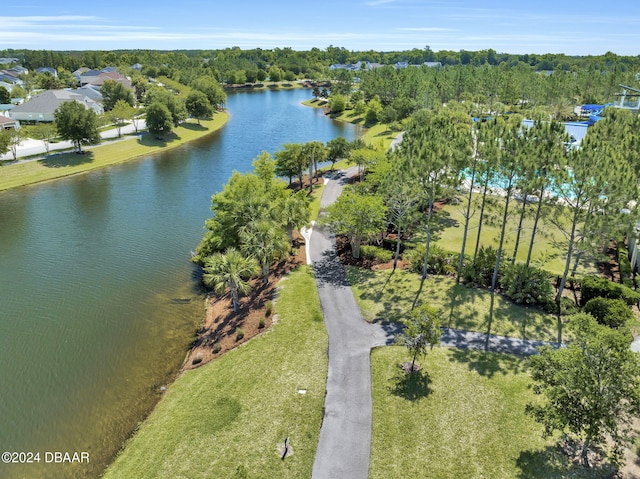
x,y
45,168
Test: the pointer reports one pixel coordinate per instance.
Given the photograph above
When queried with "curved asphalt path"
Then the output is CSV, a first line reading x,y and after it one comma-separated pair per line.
x,y
345,436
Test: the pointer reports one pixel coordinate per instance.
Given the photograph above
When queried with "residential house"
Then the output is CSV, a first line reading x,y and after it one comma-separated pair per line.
x,y
91,91
50,70
7,123
18,70
11,79
8,61
42,107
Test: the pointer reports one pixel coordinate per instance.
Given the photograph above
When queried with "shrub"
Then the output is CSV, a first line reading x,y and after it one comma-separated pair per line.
x,y
216,347
261,323
268,308
440,261
239,334
568,306
597,287
526,284
609,312
479,272
625,264
376,253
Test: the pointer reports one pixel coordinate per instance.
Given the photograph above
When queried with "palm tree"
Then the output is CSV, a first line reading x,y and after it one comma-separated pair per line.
x,y
266,242
295,212
230,270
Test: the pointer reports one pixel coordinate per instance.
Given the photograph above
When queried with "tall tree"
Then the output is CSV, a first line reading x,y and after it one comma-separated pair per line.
x,y
358,217
290,162
295,213
230,271
599,180
44,131
266,242
113,91
159,120
76,123
434,149
508,145
590,388
338,148
198,105
120,114
315,152
548,142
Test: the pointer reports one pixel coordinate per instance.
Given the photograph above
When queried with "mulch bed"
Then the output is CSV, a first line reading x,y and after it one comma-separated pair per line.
x,y
218,333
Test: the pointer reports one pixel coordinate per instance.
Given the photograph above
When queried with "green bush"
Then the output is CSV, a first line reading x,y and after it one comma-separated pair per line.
x,y
239,334
216,347
440,261
268,308
479,272
337,103
625,264
610,312
567,306
261,323
597,287
526,284
376,253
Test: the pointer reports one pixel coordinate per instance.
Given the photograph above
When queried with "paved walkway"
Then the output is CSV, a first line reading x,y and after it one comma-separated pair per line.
x,y
345,436
31,147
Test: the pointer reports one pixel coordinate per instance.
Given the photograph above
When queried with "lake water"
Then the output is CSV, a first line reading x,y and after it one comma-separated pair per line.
x,y
99,299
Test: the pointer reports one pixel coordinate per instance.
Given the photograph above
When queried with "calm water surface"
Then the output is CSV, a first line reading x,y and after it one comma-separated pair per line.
x,y
98,298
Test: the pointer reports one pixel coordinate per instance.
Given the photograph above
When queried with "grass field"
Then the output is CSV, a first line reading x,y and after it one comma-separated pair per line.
x,y
383,295
461,416
549,247
59,165
227,418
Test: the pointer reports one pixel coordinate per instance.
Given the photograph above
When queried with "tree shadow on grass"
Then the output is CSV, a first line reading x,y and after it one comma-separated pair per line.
x,y
411,386
61,160
193,126
488,363
552,462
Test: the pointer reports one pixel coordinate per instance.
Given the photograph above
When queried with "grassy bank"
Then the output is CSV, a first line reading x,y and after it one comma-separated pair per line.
x,y
383,295
227,418
59,165
461,416
375,135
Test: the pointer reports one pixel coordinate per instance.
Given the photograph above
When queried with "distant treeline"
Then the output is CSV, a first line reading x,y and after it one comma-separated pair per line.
x,y
235,65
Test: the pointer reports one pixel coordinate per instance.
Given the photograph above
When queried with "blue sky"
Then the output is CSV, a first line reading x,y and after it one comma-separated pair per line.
x,y
542,26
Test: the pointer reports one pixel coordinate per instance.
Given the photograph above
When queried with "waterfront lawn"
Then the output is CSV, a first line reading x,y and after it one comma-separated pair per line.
x,y
227,418
382,295
58,165
462,415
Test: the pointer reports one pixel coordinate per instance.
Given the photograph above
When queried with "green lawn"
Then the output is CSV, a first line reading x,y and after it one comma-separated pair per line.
x,y
230,415
381,294
66,164
462,416
314,207
549,247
